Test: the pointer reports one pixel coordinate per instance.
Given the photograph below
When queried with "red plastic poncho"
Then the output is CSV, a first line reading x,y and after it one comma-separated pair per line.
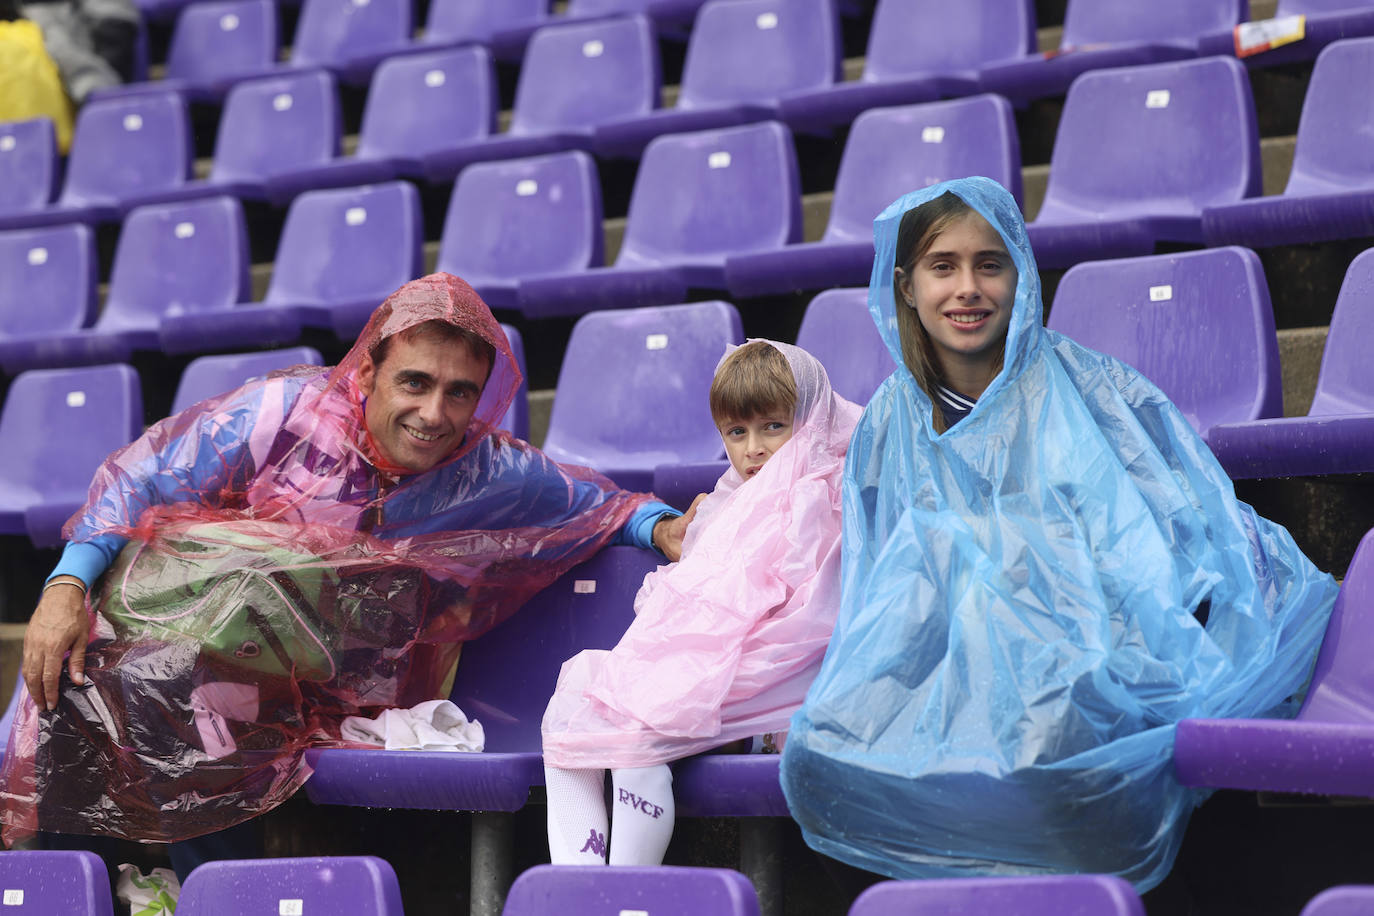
x,y
280,576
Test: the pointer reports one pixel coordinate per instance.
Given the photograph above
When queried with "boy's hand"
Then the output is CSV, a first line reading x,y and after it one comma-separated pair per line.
x,y
668,532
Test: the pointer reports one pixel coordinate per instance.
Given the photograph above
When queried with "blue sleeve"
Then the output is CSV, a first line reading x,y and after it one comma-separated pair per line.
x,y
638,531
86,560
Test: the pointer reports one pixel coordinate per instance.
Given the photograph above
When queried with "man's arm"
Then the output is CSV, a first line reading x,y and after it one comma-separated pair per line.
x,y
659,527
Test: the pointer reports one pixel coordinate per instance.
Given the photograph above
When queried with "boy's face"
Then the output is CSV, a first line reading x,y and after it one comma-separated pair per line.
x,y
750,443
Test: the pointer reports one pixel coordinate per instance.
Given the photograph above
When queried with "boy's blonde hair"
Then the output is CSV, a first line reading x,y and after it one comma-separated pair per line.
x,y
755,380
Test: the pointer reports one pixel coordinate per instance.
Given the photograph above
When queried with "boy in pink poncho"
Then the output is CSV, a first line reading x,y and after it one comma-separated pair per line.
x,y
726,641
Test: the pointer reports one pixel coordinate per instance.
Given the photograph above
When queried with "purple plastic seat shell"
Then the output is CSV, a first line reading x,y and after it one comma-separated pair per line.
x,y
517,418
454,21
1225,368
1327,21
357,885
1327,748
48,281
1140,152
215,44
208,376
28,165
1343,900
349,37
1039,895
663,890
49,882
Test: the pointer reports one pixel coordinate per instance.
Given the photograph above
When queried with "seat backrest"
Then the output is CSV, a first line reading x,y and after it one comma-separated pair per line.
x,y
358,885
208,376
1346,382
1346,900
584,8
1197,324
127,143
223,39
59,881
348,244
892,150
1082,895
1332,153
174,259
663,890
478,20
758,50
972,34
28,165
58,425
582,74
1165,139
838,330
47,279
523,217
1342,687
332,32
653,409
1088,22
508,674
420,103
277,124
1319,7
713,193
517,418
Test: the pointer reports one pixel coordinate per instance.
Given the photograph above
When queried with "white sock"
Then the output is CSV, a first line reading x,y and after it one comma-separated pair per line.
x,y
644,813
577,816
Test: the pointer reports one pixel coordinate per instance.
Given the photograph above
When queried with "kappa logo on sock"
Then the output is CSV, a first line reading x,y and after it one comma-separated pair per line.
x,y
596,843
643,804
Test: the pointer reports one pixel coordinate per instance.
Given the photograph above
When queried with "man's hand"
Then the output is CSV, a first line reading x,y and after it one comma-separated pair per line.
x,y
668,532
59,624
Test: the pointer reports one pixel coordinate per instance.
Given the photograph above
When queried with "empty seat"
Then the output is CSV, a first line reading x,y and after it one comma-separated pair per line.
x,y
1337,435
1331,185
517,418
1326,21
47,281
742,57
661,890
1140,152
1082,895
652,407
172,259
1113,33
838,330
480,21
1198,324
341,253
1327,748
573,78
905,65
1346,900
58,425
889,152
698,198
358,885
28,165
208,376
52,882
124,148
350,38
522,218
505,682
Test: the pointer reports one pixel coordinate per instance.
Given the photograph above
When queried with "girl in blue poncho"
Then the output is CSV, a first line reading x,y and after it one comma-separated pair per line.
x,y
1044,570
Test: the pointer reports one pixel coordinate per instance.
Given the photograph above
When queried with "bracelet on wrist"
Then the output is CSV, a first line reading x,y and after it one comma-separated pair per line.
x,y
65,580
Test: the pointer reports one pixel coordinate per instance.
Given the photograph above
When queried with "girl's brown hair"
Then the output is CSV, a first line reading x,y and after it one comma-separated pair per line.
x,y
755,380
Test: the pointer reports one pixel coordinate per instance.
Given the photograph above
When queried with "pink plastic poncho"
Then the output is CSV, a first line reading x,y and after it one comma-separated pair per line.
x,y
280,576
725,642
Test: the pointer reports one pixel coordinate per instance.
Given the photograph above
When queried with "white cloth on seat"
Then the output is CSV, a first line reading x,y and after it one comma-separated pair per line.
x,y
435,725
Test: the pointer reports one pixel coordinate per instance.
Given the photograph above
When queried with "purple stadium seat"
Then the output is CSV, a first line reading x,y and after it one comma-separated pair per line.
x,y
656,357
573,78
742,57
47,281
357,885
663,891
906,65
350,37
123,149
208,243
1326,21
1327,748
28,165
517,418
1140,152
1113,33
521,218
58,425
208,376
1198,324
889,151
1331,186
1337,435
1057,895
698,198
55,883
1346,900
342,252
465,21
504,681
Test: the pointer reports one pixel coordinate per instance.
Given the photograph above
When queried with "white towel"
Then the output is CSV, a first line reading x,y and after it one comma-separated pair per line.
x,y
436,725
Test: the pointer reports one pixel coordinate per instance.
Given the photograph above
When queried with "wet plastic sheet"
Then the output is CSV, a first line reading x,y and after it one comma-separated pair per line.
x,y
362,582
1031,601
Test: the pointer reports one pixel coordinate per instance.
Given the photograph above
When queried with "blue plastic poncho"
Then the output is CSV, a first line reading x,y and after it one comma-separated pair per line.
x,y
1031,601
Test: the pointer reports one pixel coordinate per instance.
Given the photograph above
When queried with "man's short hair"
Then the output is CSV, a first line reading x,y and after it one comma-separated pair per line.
x,y
441,330
754,380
